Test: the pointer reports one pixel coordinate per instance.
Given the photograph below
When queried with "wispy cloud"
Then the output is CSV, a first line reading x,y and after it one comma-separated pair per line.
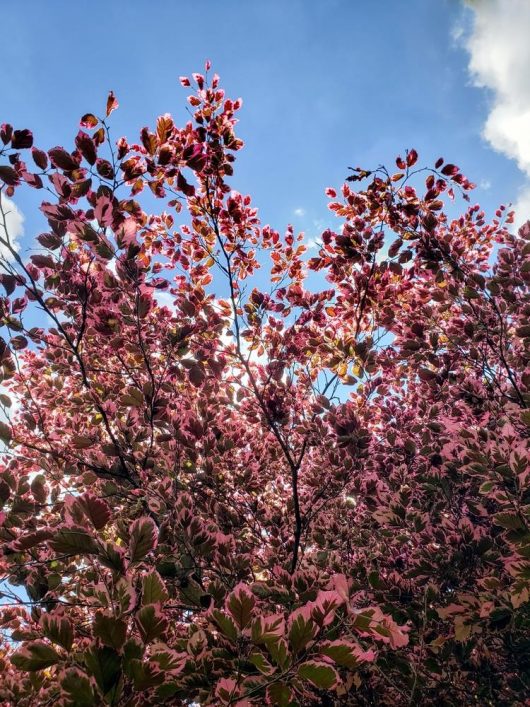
x,y
14,220
499,60
299,211
312,240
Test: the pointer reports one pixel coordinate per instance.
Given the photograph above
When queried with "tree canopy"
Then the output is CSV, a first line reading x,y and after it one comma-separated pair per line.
x,y
241,471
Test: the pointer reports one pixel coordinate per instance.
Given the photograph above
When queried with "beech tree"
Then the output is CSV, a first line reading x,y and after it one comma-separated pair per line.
x,y
224,483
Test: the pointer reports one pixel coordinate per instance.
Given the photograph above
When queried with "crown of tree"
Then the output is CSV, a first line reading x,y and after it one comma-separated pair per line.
x,y
238,471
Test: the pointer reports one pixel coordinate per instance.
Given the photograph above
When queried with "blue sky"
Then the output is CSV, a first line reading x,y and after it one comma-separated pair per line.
x,y
326,84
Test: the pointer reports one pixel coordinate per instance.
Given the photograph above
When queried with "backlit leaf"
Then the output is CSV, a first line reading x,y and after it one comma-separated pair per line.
x,y
240,604
143,538
318,674
35,656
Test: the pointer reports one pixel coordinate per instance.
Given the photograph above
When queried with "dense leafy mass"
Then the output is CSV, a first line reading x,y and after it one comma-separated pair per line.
x,y
241,472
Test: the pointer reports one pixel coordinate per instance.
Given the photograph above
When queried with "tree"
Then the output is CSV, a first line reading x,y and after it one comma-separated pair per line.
x,y
227,493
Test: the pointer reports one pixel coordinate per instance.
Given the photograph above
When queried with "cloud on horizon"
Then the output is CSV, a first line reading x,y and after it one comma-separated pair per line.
x,y
14,223
499,60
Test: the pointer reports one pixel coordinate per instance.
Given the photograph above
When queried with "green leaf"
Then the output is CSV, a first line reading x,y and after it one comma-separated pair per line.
x,y
153,589
110,630
261,663
168,659
225,624
74,541
151,622
112,556
375,581
363,620
193,593
168,568
510,521
104,664
145,675
318,674
104,250
267,628
346,654
35,656
240,604
280,694
58,629
132,650
168,689
301,632
125,595
279,653
77,689
143,538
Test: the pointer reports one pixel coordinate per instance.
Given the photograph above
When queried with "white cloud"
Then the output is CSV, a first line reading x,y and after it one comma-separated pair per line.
x,y
522,205
299,212
164,299
499,60
14,220
313,239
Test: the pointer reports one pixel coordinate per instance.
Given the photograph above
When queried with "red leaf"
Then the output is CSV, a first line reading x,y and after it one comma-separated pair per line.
x,y
104,168
39,157
8,175
450,170
86,146
89,120
112,103
103,211
9,282
43,261
183,185
6,133
22,139
62,159
96,510
412,158
195,157
196,374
